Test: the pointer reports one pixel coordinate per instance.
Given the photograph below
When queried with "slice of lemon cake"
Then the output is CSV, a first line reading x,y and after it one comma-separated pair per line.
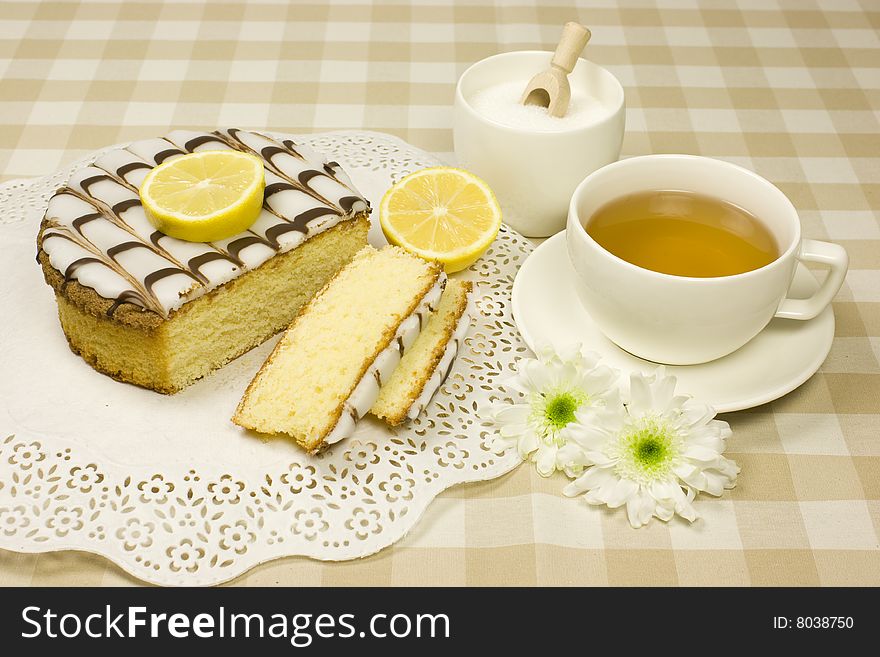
x,y
428,362
326,371
161,312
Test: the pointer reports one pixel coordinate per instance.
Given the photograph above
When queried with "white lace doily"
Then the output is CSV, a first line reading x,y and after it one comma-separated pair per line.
x,y
167,487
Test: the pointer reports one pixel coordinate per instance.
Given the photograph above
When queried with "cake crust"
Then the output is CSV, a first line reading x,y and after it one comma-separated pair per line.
x,y
90,355
435,270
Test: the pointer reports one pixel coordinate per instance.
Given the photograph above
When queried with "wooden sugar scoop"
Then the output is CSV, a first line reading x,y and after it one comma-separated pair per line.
x,y
550,88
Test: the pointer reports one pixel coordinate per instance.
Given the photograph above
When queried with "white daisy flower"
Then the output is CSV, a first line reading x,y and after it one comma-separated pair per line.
x,y
555,386
654,453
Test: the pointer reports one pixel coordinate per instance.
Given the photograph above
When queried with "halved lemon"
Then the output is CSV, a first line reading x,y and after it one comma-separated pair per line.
x,y
443,214
204,197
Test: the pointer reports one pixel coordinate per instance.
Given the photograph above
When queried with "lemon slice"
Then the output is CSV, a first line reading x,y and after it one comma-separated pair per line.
x,y
204,197
443,214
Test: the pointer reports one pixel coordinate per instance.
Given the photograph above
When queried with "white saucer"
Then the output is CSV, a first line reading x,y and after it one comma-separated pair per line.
x,y
546,309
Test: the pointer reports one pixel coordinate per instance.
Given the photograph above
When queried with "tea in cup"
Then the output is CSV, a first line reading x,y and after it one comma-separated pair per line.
x,y
683,259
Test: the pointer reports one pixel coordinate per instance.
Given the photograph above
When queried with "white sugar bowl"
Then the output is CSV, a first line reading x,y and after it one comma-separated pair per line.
x,y
532,161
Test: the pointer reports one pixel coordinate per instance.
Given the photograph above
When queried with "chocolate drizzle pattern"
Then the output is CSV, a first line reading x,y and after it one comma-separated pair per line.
x,y
96,233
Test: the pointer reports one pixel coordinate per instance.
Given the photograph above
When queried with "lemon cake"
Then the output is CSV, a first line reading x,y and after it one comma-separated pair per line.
x,y
326,371
428,362
161,312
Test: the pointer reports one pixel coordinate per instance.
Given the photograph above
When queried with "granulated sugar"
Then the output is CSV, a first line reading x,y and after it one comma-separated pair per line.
x,y
501,103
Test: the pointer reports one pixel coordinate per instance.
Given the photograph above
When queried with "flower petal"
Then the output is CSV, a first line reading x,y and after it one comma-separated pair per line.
x,y
588,359
640,398
570,454
608,419
513,431
700,453
663,490
729,468
498,445
535,376
528,443
545,459
568,376
665,510
587,436
578,486
690,474
598,380
511,413
663,390
545,351
639,509
686,510
715,482
595,477
622,491
709,436
695,414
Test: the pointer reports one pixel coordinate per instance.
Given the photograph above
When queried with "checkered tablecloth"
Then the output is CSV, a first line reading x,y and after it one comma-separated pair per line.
x,y
789,88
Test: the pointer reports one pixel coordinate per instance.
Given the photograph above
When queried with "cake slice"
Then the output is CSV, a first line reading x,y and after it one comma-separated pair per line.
x,y
427,363
326,370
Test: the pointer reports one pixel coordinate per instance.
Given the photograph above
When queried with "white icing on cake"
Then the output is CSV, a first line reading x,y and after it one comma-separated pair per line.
x,y
98,234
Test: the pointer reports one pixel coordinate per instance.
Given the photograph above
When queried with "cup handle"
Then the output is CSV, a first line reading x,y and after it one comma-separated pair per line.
x,y
825,253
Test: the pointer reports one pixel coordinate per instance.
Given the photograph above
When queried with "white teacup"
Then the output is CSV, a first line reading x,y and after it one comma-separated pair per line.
x,y
680,320
532,172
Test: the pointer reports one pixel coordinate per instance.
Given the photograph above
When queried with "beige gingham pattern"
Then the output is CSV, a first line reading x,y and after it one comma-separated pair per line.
x,y
790,89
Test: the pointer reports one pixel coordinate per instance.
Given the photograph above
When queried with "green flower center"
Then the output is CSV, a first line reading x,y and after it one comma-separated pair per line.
x,y
554,410
650,451
560,410
647,451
